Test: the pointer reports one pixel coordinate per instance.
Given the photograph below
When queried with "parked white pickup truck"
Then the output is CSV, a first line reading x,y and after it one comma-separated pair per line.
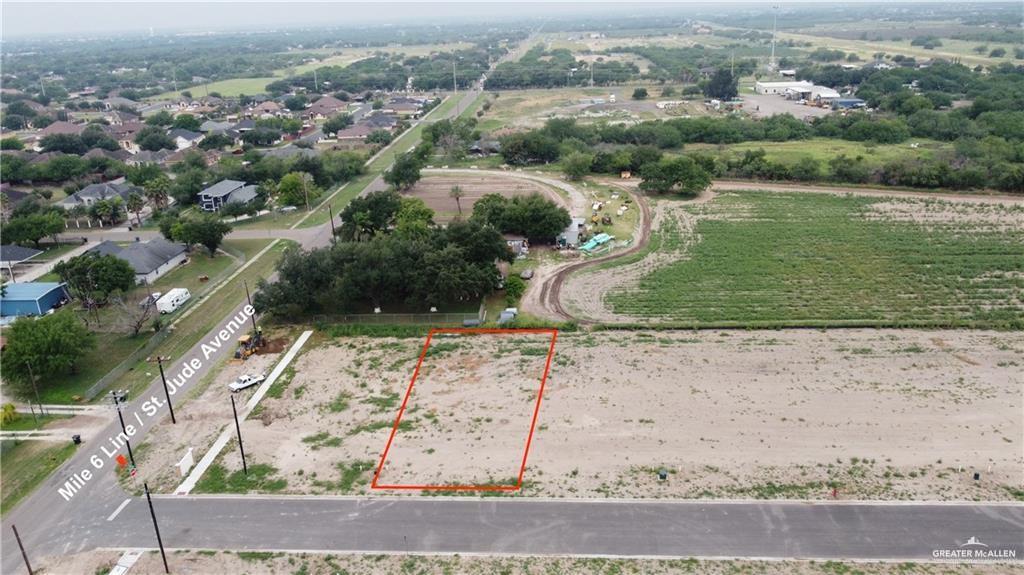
x,y
245,381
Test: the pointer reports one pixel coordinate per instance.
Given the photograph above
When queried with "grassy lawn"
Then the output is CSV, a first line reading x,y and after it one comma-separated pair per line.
x,y
227,88
26,422
824,149
764,260
54,251
950,50
25,464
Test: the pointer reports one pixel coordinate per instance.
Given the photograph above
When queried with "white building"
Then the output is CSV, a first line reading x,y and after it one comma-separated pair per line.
x,y
781,87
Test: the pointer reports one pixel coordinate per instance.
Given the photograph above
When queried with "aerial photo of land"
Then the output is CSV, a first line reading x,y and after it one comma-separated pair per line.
x,y
531,288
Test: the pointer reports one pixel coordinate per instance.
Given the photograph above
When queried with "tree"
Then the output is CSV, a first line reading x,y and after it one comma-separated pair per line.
x,y
66,143
404,172
154,139
577,165
161,118
337,123
188,185
533,216
187,122
296,103
206,230
457,193
668,92
721,86
997,53
33,227
215,142
46,349
93,277
13,143
157,191
261,137
297,189
414,218
640,94
366,216
681,175
382,137
130,315
135,203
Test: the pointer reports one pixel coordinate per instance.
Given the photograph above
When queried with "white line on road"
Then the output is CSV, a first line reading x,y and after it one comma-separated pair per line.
x,y
119,508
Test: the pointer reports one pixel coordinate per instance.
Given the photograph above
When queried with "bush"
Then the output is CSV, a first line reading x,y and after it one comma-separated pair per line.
x,y
514,288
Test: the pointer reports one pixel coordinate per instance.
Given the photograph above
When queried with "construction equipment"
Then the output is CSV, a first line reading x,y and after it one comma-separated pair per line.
x,y
249,344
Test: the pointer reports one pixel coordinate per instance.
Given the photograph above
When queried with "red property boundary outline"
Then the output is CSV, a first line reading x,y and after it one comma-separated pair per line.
x,y
408,392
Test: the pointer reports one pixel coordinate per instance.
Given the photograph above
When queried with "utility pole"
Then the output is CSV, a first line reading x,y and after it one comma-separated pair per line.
x,y
22,547
249,299
35,388
592,64
775,17
238,430
156,527
334,232
160,364
316,83
117,405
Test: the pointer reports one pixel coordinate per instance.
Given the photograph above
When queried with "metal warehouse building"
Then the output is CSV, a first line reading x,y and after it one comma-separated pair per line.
x,y
32,298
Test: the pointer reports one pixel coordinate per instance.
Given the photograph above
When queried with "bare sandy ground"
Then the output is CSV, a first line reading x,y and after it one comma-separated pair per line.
x,y
206,562
434,190
875,414
472,407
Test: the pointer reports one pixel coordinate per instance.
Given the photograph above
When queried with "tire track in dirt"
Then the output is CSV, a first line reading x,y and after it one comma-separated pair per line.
x,y
548,299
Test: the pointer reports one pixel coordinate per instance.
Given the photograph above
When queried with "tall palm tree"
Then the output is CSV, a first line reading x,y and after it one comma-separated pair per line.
x,y
135,203
457,193
157,191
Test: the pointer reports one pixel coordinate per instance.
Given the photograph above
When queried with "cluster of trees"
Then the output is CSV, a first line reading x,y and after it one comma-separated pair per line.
x,y
452,137
93,278
61,169
391,255
540,68
31,221
92,136
206,230
533,216
989,150
44,349
685,64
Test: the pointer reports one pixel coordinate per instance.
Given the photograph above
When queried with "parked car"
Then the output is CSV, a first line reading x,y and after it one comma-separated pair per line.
x,y
245,381
150,299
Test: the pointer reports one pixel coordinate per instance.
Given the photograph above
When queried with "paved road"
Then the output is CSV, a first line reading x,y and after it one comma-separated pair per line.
x,y
580,527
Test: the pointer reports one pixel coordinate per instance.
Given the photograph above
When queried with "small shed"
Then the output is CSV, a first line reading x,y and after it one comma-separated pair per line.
x,y
518,245
35,298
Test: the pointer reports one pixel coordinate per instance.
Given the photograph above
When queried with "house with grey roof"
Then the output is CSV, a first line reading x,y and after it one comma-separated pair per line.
x,y
149,260
185,138
93,193
225,192
214,126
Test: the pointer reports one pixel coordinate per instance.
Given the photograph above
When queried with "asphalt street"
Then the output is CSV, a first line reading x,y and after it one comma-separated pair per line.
x,y
576,527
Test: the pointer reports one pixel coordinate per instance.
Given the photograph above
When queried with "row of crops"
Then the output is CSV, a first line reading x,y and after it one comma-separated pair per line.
x,y
820,259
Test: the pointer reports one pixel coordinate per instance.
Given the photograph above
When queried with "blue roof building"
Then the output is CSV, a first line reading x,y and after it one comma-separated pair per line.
x,y
32,298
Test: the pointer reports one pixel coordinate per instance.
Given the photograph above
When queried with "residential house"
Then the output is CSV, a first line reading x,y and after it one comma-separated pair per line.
x,y
244,126
266,109
125,135
120,155
185,138
214,126
356,132
12,199
313,136
61,127
149,260
11,255
224,192
156,107
93,193
158,157
289,152
324,108
403,106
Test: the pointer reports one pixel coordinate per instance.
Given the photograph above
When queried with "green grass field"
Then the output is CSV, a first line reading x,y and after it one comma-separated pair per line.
x,y
227,88
25,464
775,260
825,149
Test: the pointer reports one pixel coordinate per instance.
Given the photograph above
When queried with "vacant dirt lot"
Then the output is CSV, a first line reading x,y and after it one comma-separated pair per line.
x,y
876,414
435,191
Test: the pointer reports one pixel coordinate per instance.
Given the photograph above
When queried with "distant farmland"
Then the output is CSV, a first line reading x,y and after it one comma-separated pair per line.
x,y
775,259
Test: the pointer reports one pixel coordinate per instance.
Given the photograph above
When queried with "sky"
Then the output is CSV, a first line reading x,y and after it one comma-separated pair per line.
x,y
33,18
